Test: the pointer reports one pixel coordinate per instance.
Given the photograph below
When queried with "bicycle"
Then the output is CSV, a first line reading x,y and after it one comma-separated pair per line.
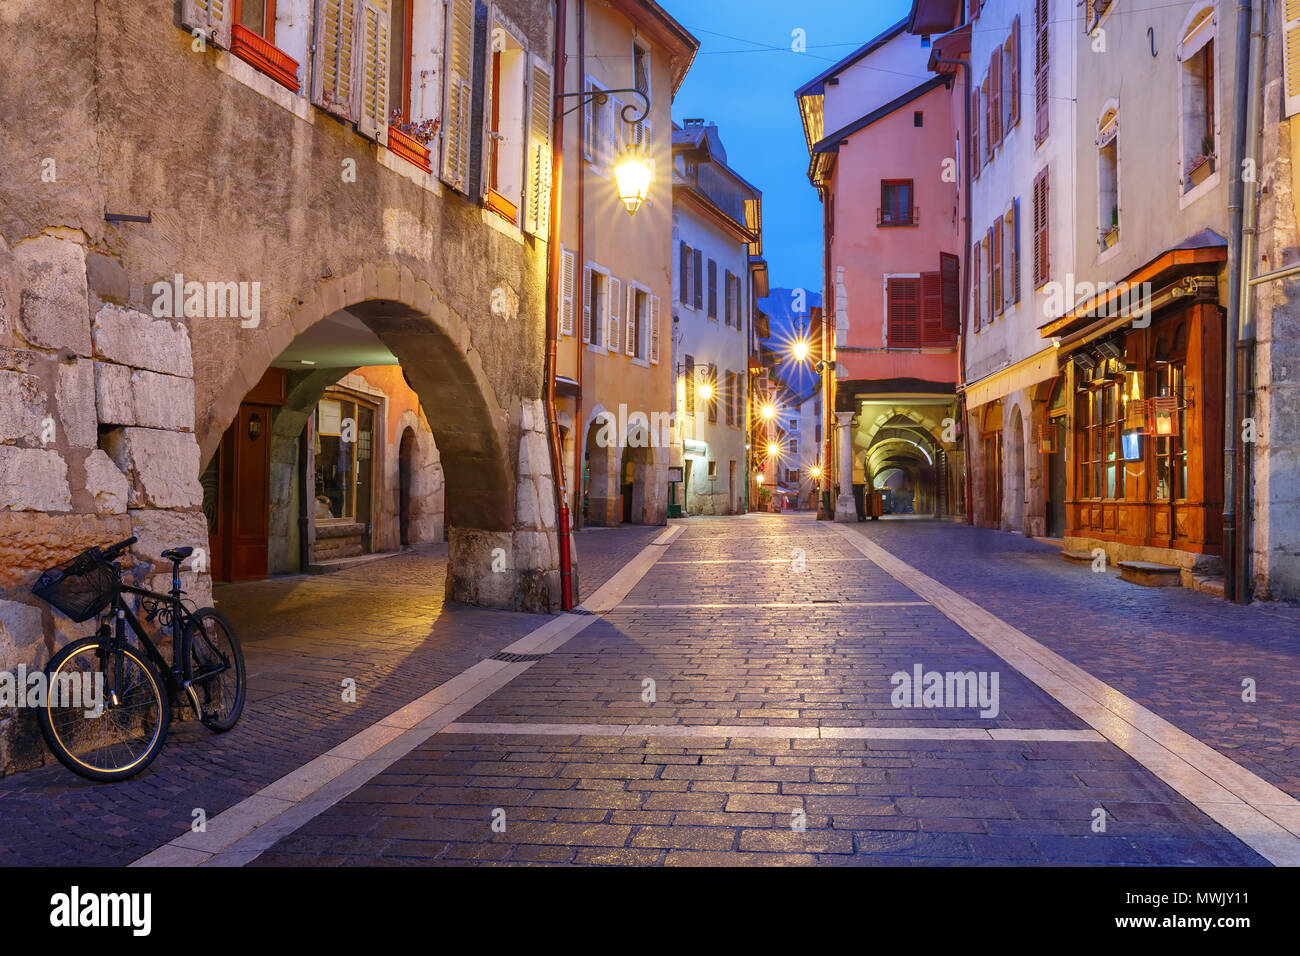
x,y
137,690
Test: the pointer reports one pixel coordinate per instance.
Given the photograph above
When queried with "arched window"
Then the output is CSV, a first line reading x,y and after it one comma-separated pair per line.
x,y
1199,133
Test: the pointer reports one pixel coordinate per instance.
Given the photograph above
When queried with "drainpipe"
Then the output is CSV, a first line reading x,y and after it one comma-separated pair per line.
x,y
580,290
1235,273
828,370
553,322
966,291
1246,298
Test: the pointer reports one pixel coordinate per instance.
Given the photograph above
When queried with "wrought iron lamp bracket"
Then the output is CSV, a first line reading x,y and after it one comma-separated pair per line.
x,y
632,112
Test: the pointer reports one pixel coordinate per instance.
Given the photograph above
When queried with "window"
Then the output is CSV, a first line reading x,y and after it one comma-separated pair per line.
x,y
458,86
638,135
728,397
794,446
1011,253
252,36
602,129
903,294
1040,70
975,133
728,307
1040,225
713,470
713,290
595,309
1101,465
792,476
995,281
995,99
258,16
344,429
504,120
1199,135
399,61
1170,450
638,321
896,203
918,119
698,278
1108,179
977,304
794,425
818,438
686,272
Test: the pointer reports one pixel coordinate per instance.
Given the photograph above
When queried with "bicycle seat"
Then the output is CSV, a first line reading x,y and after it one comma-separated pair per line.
x,y
178,554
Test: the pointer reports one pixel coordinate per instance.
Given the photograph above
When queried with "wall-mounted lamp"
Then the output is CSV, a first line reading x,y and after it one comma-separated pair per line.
x,y
254,426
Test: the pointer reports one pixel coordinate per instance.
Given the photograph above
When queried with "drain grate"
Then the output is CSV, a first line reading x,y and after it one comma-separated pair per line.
x,y
515,658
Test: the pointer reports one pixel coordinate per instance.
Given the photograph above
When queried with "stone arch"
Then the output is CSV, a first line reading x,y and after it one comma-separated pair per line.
x,y
598,494
432,343
424,514
904,445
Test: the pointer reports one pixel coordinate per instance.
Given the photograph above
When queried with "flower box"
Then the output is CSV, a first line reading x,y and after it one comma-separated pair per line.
x,y
1199,170
267,57
1110,237
409,148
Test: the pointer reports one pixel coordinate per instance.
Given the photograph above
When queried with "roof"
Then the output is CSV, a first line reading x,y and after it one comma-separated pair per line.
x,y
934,16
832,141
816,85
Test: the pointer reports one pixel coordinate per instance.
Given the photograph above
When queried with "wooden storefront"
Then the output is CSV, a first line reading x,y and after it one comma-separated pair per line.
x,y
1143,429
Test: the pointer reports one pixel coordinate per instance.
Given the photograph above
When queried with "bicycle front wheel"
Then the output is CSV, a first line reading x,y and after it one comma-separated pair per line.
x,y
214,664
103,722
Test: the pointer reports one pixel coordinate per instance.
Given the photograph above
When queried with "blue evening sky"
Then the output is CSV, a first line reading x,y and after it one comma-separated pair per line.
x,y
744,78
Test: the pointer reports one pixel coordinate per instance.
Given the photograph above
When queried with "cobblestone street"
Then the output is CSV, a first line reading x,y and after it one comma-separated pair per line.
x,y
686,722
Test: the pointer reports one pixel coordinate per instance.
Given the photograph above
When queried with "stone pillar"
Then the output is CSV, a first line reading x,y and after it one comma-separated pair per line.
x,y
845,508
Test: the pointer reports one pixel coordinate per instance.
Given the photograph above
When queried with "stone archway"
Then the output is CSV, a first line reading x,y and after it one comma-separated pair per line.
x,y
490,511
1015,473
601,505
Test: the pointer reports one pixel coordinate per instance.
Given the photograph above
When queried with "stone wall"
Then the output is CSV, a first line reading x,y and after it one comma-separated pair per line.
x,y
96,444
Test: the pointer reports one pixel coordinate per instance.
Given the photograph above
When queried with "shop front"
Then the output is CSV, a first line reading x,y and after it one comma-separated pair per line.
x,y
1141,423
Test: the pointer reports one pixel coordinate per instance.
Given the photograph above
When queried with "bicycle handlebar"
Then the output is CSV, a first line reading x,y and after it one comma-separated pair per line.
x,y
113,551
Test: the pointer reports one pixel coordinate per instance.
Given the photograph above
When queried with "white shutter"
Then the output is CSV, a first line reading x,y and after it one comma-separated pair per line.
x,y
338,50
537,209
209,18
654,330
372,85
588,121
614,131
586,304
614,301
568,262
630,346
459,79
1291,55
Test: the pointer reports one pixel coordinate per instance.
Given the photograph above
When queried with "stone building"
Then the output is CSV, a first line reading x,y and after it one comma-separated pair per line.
x,y
203,192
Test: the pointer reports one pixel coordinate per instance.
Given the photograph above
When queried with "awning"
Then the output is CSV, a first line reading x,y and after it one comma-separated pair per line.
x,y
1037,368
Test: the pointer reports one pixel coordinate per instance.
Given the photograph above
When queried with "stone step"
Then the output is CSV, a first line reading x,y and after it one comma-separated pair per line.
x,y
1077,557
342,564
1150,574
1211,584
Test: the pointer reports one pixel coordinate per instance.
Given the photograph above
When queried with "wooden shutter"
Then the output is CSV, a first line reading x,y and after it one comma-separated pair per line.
x,y
1012,67
1042,266
684,272
698,276
210,19
690,384
1041,57
726,295
588,122
586,304
654,330
975,133
630,347
977,304
567,263
996,263
338,50
613,132
950,306
988,273
995,99
1015,238
537,202
614,303
974,9
987,129
459,86
713,289
932,309
1291,55
372,88
904,313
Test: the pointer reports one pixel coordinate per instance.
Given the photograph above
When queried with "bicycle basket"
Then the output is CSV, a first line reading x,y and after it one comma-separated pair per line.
x,y
78,592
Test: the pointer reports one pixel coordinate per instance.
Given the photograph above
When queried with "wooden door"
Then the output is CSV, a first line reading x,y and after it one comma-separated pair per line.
x,y
246,493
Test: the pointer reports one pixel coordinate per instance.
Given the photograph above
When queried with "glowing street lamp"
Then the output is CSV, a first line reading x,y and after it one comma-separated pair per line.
x,y
632,175
768,411
801,350
706,391
773,450
816,472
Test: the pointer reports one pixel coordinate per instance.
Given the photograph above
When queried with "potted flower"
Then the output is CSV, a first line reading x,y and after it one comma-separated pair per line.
x,y
411,140
1111,236
1201,166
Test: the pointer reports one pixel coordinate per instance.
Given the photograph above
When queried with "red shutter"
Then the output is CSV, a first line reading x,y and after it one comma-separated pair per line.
x,y
932,333
988,272
1042,264
986,129
904,313
995,98
975,133
977,307
974,9
1040,70
950,271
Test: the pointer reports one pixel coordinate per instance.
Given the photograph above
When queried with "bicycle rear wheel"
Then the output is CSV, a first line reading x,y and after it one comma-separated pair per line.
x,y
126,733
214,665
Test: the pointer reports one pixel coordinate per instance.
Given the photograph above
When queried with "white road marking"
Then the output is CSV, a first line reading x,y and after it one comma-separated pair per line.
x,y
244,831
729,731
774,604
1259,814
